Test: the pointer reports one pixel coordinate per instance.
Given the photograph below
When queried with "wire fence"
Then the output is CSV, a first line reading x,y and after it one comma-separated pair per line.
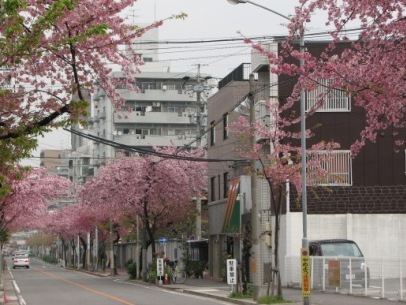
x,y
374,277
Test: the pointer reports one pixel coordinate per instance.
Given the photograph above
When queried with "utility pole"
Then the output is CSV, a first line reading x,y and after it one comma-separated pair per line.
x,y
200,109
112,266
254,209
199,88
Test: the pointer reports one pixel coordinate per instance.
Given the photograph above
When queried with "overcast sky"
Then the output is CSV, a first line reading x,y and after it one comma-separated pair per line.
x,y
207,20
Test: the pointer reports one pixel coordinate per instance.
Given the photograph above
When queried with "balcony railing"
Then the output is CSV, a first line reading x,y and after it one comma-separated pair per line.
x,y
150,140
334,100
152,117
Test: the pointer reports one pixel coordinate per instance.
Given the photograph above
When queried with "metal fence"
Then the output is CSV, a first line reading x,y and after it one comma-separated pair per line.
x,y
375,277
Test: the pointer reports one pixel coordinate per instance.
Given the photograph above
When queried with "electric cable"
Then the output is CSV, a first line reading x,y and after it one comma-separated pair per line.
x,y
145,151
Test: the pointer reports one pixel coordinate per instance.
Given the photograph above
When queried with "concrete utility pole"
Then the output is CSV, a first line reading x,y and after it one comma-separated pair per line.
x,y
199,87
112,266
200,109
256,255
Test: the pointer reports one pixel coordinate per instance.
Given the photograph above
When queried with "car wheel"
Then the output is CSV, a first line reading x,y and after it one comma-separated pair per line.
x,y
14,267
28,267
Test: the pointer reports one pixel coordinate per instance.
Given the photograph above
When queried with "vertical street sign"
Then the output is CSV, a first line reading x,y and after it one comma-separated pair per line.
x,y
231,271
160,267
305,265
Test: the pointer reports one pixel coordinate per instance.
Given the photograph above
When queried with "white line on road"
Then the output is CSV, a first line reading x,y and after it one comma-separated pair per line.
x,y
18,292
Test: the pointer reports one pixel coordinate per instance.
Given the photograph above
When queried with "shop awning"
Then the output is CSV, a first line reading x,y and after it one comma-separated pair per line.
x,y
232,216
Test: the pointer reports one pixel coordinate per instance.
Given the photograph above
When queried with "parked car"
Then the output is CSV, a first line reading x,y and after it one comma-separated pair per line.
x,y
21,260
342,254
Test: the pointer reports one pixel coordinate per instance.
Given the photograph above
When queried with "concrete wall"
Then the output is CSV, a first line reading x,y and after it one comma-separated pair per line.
x,y
378,235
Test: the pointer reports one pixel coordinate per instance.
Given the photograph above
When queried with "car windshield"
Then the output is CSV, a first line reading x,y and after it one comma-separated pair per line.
x,y
22,256
341,249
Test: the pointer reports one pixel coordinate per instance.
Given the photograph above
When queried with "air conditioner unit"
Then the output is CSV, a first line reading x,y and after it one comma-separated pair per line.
x,y
164,87
156,104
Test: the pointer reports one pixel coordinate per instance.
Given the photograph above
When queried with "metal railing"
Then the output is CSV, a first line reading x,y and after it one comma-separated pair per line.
x,y
374,277
334,100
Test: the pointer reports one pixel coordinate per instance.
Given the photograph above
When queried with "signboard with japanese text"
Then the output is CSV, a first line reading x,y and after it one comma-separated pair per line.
x,y
160,267
305,266
334,273
231,271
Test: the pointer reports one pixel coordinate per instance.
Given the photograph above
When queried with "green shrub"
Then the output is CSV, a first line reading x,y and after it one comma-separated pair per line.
x,y
195,268
152,272
240,295
131,268
49,259
271,299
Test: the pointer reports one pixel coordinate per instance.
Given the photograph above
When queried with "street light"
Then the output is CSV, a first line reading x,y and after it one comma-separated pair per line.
x,y
305,241
259,5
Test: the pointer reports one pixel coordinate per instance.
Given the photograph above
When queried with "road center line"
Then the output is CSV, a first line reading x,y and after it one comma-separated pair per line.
x,y
87,288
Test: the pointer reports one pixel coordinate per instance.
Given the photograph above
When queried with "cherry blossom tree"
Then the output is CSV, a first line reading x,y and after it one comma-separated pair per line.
x,y
26,204
157,188
70,223
278,155
52,54
371,68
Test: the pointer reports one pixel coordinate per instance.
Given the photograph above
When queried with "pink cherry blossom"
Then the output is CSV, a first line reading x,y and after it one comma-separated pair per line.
x,y
26,206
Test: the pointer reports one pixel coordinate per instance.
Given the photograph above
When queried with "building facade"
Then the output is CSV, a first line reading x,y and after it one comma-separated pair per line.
x,y
363,198
162,113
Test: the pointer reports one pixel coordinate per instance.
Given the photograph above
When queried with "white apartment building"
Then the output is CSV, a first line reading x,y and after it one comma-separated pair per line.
x,y
168,109
160,114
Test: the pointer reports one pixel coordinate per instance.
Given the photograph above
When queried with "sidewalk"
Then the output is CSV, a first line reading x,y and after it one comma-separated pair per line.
x,y
217,289
8,293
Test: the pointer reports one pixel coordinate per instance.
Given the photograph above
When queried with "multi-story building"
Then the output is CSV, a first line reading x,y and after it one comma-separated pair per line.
x,y
50,159
226,178
167,109
162,113
363,198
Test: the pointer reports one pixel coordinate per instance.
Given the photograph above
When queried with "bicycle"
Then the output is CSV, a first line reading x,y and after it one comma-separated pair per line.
x,y
178,275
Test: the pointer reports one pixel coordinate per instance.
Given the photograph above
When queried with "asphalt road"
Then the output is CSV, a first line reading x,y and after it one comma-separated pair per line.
x,y
45,284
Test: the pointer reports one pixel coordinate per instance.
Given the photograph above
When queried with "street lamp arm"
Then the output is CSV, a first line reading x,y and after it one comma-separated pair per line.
x,y
259,5
268,9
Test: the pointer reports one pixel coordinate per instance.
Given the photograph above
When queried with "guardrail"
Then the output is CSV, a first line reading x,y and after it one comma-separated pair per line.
x,y
375,277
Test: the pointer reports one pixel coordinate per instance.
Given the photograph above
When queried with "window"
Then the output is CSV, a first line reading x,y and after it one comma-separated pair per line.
x,y
213,188
333,168
225,126
405,161
212,133
225,184
334,100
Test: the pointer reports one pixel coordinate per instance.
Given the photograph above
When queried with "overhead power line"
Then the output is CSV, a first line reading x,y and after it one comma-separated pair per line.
x,y
145,151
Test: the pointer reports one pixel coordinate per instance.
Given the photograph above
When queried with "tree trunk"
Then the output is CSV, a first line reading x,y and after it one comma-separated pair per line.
x,y
84,244
278,206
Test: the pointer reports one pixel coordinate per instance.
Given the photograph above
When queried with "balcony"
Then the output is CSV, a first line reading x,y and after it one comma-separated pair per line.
x,y
148,140
260,62
151,117
157,95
